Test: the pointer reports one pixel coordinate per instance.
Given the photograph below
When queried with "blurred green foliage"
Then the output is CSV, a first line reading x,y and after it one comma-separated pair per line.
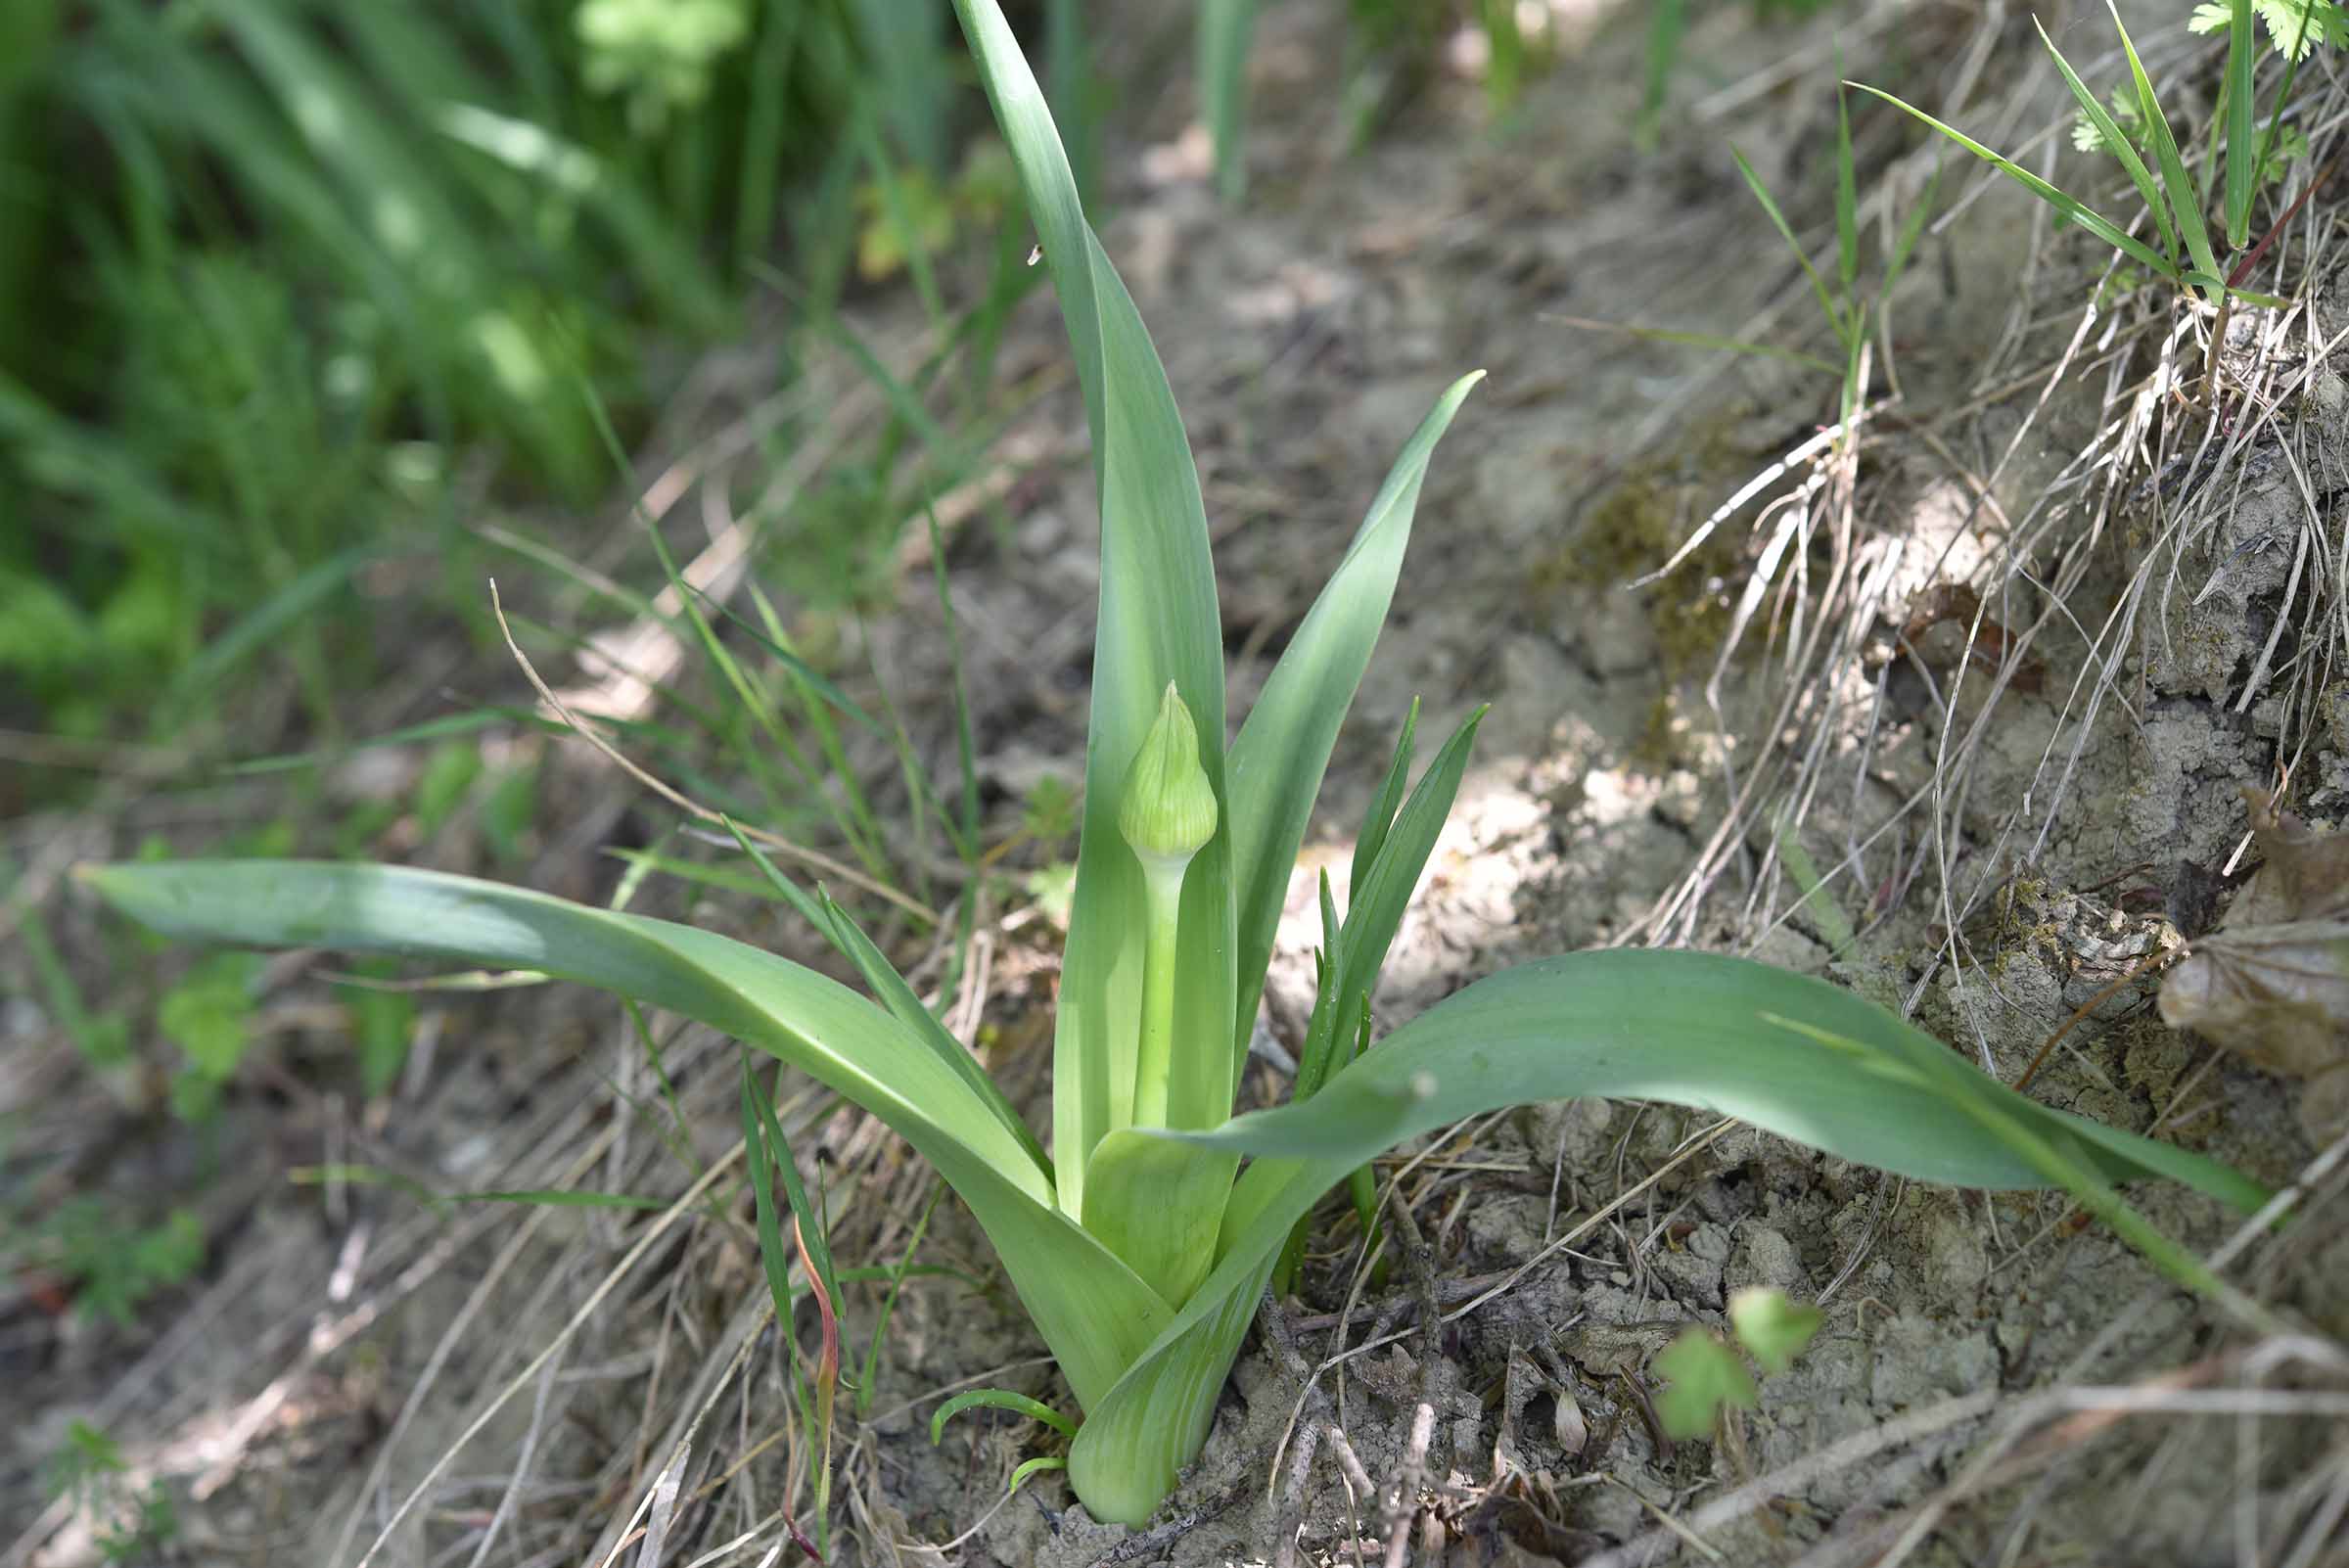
x,y
128,1524
274,272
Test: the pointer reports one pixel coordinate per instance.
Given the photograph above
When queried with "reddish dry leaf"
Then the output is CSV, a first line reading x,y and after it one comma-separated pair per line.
x,y
2272,983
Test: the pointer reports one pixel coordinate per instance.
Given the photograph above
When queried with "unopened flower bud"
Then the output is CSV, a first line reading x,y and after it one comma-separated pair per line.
x,y
1168,811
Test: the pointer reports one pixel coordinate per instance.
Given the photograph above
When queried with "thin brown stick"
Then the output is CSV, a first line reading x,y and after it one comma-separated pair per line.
x,y
2085,1008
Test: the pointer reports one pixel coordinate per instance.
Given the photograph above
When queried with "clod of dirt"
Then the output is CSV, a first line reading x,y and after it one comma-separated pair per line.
x,y
2272,983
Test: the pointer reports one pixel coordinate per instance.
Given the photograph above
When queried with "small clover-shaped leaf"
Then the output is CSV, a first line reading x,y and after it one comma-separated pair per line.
x,y
1704,1375
1772,1328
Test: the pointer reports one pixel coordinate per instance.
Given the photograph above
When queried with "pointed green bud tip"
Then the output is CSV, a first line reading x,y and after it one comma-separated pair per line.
x,y
1167,811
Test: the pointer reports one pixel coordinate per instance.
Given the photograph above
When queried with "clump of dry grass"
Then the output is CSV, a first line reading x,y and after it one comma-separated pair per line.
x,y
2062,594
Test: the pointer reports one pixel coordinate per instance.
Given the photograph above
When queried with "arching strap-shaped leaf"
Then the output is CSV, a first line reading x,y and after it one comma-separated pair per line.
x,y
1283,748
1686,1028
1092,1311
889,988
1798,1057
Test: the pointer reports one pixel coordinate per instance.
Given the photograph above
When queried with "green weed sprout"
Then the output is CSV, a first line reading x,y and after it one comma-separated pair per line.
x,y
1843,306
2183,251
1708,1376
1140,1246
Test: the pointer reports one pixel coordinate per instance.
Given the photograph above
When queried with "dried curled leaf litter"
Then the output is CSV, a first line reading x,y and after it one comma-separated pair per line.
x,y
2271,983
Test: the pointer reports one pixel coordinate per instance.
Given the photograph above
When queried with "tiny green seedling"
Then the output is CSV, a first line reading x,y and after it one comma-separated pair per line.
x,y
1707,1375
89,1474
1846,309
1139,1245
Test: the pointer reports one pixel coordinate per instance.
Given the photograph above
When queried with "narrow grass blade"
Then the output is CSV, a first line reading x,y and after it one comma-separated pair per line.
x,y
1847,202
1377,909
1769,204
1224,30
560,1198
1092,1311
2186,203
1283,748
998,1398
2096,224
1666,21
1903,246
895,1276
761,1157
443,727
267,622
2242,179
2109,132
815,1246
800,669
890,989
1379,820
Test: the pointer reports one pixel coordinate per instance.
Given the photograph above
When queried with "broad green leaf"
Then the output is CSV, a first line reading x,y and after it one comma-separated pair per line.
x,y
890,989
2116,141
1283,748
1158,623
1159,1205
1684,1028
1701,1375
1706,1031
1137,1441
2102,227
1061,231
1091,1309
1772,1328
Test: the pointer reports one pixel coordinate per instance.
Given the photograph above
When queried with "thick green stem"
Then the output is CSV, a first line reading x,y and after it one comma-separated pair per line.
x,y
1154,1060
